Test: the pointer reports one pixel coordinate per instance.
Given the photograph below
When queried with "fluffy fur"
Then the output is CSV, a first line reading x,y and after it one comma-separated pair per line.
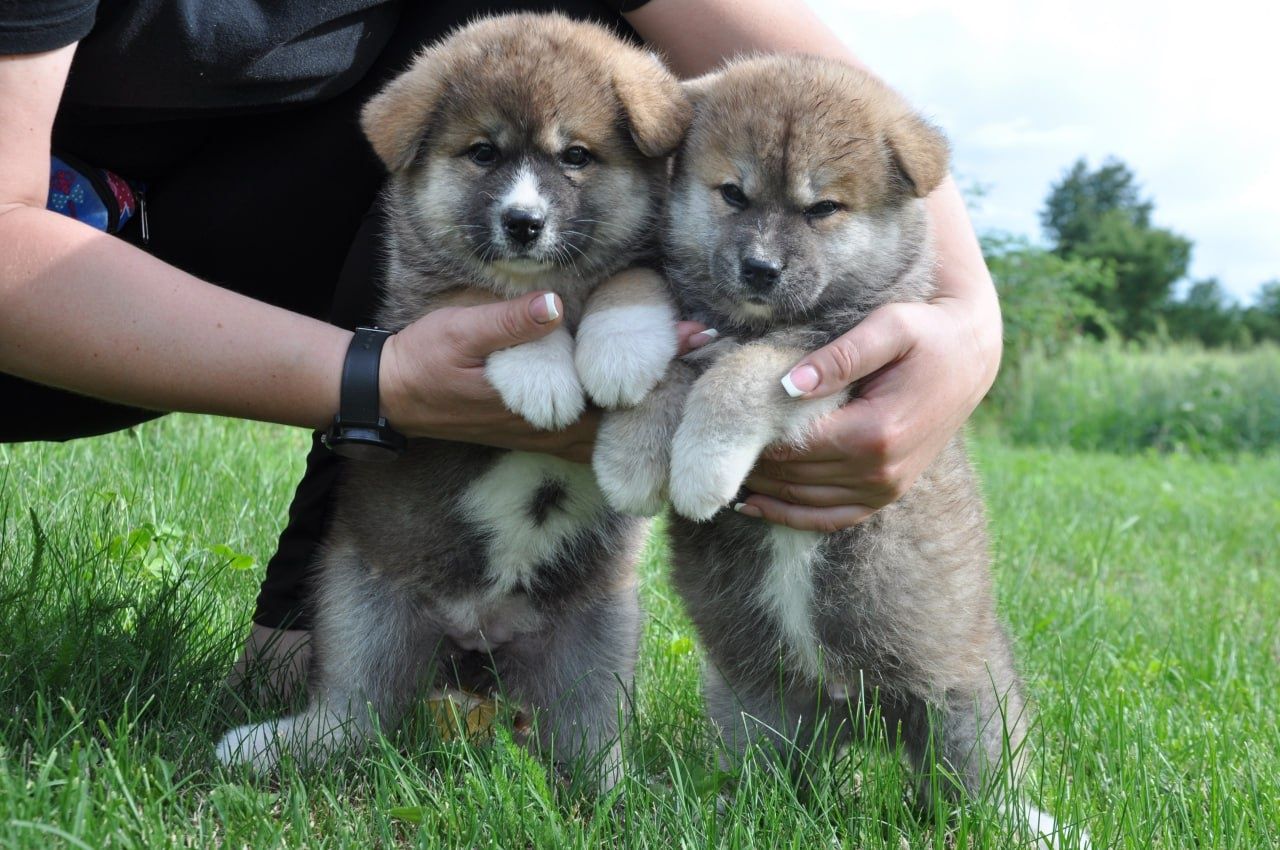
x,y
795,210
525,152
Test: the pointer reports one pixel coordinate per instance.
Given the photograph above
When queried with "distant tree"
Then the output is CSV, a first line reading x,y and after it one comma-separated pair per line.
x,y
1268,299
1082,197
1100,215
1208,314
1046,300
1262,318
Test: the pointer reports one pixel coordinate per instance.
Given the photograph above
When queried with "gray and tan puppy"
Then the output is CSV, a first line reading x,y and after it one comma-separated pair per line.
x,y
525,152
796,209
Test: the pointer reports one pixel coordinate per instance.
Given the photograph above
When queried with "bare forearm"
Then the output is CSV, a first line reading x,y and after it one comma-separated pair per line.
x,y
86,312
963,278
697,35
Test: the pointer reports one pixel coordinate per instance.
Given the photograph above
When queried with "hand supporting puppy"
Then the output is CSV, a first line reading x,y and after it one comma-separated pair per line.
x,y
929,368
433,381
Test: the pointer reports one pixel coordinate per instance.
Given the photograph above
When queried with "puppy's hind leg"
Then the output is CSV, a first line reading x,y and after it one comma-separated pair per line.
x,y
977,734
372,648
576,677
791,725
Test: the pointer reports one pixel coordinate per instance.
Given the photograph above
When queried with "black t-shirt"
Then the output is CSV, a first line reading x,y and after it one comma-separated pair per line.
x,y
207,55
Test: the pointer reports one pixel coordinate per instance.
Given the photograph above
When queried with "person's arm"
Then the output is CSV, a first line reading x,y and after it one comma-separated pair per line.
x,y
87,312
936,361
84,311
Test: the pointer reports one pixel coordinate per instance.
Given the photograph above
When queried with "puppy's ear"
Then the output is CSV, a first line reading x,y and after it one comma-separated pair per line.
x,y
395,120
920,154
698,88
657,111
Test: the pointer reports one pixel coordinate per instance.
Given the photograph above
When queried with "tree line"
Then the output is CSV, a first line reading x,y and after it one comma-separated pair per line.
x,y
1110,272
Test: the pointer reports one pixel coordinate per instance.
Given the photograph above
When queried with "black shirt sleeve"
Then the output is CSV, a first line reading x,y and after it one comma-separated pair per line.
x,y
34,26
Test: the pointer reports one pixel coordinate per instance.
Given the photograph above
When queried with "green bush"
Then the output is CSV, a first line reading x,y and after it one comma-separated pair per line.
x,y
1046,300
1125,398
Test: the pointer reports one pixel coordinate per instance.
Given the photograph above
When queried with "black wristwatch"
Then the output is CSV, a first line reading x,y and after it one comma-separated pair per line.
x,y
359,431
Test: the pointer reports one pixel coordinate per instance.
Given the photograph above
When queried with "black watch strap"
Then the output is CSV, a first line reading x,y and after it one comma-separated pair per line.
x,y
359,400
359,431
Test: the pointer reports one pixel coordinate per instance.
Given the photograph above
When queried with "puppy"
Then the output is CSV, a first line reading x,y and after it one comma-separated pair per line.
x,y
525,152
795,210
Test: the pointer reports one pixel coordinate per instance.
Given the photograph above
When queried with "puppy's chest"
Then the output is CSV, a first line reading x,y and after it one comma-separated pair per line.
x,y
800,595
537,517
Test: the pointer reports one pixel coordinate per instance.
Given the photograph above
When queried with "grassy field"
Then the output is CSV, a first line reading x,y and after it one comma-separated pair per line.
x,y
1142,591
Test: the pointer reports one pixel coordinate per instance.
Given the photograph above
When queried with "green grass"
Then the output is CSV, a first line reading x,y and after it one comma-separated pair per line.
x,y
1142,592
1124,398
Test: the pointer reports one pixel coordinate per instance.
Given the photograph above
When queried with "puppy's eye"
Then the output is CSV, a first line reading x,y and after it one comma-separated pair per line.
x,y
575,156
483,153
822,209
734,196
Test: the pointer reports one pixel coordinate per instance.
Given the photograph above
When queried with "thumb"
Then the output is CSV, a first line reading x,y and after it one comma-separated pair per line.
x,y
482,330
877,341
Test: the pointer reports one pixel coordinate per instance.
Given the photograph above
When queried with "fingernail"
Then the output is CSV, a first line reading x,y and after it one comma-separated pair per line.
x,y
800,380
544,309
703,337
748,510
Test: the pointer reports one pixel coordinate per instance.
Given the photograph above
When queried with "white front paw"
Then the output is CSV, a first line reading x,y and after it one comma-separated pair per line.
x,y
707,470
622,352
538,380
255,745
1046,832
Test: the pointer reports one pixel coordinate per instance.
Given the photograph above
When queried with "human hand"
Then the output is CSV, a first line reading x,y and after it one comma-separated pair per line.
x,y
928,368
432,381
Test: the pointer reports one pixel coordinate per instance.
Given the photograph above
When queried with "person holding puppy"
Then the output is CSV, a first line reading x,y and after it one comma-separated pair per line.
x,y
239,118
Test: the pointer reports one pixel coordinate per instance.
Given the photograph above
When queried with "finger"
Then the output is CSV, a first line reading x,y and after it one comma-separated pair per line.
x,y
813,495
877,341
857,431
480,331
576,453
802,518
812,452
691,335
577,439
839,472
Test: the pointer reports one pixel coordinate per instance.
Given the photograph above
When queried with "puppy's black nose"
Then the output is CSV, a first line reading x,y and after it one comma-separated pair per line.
x,y
760,274
522,226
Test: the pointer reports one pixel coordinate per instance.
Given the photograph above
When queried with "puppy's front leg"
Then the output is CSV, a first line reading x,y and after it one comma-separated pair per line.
x,y
734,410
373,649
632,457
539,381
626,338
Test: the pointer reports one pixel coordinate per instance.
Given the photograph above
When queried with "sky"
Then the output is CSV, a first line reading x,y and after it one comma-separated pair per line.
x,y
1185,93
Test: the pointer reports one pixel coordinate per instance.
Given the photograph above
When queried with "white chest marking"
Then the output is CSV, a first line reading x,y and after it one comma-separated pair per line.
x,y
499,502
787,594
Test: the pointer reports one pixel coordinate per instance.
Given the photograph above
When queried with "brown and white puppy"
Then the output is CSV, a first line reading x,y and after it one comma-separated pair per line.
x,y
525,152
795,210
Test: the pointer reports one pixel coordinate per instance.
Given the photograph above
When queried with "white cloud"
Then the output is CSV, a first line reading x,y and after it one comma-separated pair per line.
x,y
1183,92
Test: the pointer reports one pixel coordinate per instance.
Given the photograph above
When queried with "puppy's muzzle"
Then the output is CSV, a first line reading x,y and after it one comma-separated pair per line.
x,y
523,226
